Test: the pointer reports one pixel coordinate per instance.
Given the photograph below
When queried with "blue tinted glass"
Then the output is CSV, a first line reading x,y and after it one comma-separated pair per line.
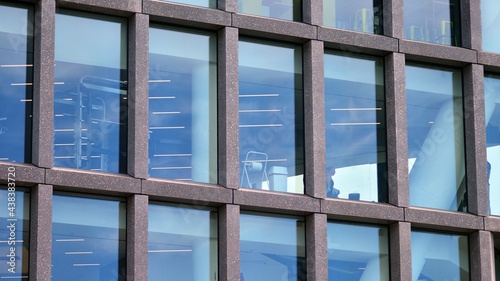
x,y
271,123
357,252
437,256
279,9
203,3
182,105
434,21
90,92
355,128
14,233
88,239
272,248
16,67
435,138
362,15
182,243
492,109
490,25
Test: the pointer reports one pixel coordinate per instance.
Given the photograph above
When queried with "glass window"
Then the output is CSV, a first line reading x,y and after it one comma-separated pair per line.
x,y
366,257
435,138
490,25
88,238
16,80
272,247
182,105
434,21
271,122
14,233
439,256
90,98
202,3
355,127
182,243
492,109
279,9
363,15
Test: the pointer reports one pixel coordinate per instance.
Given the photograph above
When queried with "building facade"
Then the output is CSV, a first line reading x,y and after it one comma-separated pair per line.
x,y
249,140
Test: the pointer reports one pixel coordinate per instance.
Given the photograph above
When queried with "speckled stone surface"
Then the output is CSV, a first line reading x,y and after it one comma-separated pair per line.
x,y
229,243
471,21
489,59
316,247
393,18
137,238
361,210
357,42
228,5
24,174
279,202
400,251
481,257
192,193
445,220
492,223
312,12
436,53
115,7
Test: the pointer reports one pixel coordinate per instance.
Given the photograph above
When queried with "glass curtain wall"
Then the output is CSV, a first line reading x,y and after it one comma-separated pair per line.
x,y
435,137
182,104
182,243
355,127
272,247
16,82
279,9
357,252
433,21
271,116
490,23
88,239
90,92
202,3
362,16
492,116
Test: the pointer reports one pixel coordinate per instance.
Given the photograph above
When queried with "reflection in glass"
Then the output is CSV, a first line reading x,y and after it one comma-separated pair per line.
x,y
355,128
14,233
88,239
271,123
492,109
357,252
363,16
182,243
438,256
16,77
202,3
272,248
279,9
435,138
90,98
182,105
434,21
490,25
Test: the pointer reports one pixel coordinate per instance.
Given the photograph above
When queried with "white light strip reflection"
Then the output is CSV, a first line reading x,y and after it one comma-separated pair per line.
x,y
259,95
170,168
269,160
86,264
64,144
164,128
4,159
17,241
262,125
65,130
171,155
160,98
169,251
68,99
259,110
21,84
64,157
70,240
78,253
353,124
160,81
14,277
361,108
166,112
26,100
16,65
58,83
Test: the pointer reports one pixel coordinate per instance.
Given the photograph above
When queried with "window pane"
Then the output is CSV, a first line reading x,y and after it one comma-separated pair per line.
x,y
16,77
271,123
435,138
355,128
357,252
88,239
279,9
362,15
490,25
437,256
90,99
182,243
433,21
203,3
14,233
272,248
182,105
492,108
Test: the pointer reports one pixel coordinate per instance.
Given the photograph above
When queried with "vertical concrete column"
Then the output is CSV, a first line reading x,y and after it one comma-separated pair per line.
x,y
43,83
137,238
475,138
40,262
228,104
397,134
400,251
312,11
229,243
316,247
137,152
471,24
228,5
314,119
482,261
393,18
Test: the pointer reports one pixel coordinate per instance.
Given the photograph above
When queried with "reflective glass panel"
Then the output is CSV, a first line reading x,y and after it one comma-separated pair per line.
x,y
435,138
16,79
355,128
182,243
182,105
362,15
439,256
434,21
272,247
490,25
14,233
279,9
202,3
90,92
88,239
366,257
271,122
492,109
